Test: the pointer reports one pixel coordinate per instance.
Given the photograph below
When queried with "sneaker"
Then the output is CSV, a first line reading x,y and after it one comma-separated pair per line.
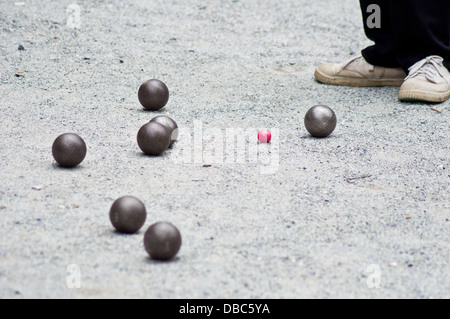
x,y
358,72
428,81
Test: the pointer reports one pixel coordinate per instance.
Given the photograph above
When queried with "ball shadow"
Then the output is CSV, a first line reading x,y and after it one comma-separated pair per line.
x,y
64,168
155,112
115,232
421,103
329,137
143,155
152,261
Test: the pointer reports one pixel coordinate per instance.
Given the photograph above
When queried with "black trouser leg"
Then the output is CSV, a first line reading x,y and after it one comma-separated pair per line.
x,y
411,30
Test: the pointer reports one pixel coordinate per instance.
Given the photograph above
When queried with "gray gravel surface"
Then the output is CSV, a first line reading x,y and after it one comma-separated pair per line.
x,y
364,213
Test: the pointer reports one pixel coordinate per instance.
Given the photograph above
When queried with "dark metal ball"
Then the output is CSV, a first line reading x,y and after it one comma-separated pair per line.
x,y
170,124
162,241
69,150
128,214
153,138
320,121
153,94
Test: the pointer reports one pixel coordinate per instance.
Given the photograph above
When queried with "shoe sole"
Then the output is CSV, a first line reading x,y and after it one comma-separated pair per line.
x,y
356,82
422,96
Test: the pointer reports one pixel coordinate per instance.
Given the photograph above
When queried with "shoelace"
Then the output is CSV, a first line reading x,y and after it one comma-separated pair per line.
x,y
430,67
351,60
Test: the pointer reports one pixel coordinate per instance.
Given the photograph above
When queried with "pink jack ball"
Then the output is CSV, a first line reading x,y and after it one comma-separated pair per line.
x,y
264,136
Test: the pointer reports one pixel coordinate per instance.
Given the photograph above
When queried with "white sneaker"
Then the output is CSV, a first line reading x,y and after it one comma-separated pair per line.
x,y
428,81
358,72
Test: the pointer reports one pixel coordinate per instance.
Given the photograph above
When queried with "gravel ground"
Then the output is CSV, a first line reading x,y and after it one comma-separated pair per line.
x,y
364,213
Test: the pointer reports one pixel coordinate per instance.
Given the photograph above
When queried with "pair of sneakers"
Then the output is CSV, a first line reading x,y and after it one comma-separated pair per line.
x,y
428,80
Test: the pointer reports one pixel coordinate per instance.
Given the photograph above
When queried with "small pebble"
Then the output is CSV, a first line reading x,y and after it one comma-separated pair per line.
x,y
20,47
